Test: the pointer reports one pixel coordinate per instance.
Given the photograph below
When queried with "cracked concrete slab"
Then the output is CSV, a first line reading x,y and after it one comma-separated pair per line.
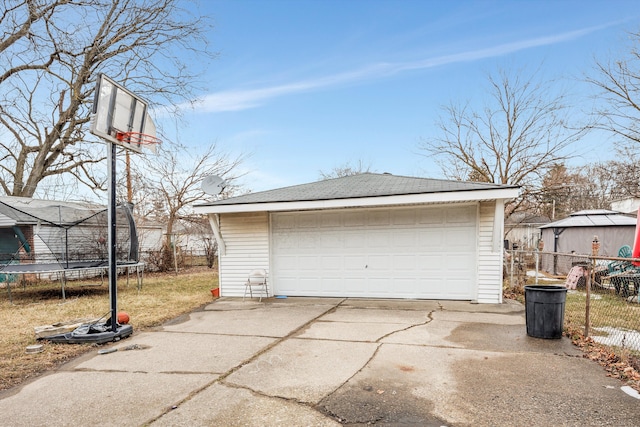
x,y
516,318
506,338
372,324
364,332
429,334
97,398
401,382
302,369
398,304
537,390
265,320
168,351
220,405
225,304
375,315
314,361
508,306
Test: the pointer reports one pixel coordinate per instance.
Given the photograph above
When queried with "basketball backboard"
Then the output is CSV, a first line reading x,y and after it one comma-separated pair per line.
x,y
118,111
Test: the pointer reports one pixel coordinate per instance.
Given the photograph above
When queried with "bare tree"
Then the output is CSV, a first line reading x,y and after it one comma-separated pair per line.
x,y
615,179
52,52
169,183
618,82
593,186
346,169
519,134
565,191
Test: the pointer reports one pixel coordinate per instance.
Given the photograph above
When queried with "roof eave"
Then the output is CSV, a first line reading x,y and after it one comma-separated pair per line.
x,y
405,199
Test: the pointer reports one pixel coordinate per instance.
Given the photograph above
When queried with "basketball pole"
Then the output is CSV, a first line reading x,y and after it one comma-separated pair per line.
x,y
111,218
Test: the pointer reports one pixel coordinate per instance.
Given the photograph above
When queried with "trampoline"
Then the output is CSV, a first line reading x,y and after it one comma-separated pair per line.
x,y
61,239
61,271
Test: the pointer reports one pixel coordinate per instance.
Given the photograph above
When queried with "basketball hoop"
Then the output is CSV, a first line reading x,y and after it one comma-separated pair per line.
x,y
137,138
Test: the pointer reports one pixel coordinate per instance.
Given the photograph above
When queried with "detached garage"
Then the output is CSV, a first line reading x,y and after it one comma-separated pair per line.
x,y
368,236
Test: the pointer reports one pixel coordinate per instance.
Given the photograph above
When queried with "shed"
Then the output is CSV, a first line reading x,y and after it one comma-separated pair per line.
x,y
575,233
523,229
366,235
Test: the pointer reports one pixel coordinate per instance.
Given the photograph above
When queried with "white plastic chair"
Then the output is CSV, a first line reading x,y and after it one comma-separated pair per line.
x,y
256,279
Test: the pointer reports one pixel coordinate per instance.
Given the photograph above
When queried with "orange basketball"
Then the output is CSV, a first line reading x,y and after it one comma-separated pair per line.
x,y
123,318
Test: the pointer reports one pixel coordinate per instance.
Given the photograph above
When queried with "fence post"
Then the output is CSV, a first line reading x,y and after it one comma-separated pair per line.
x,y
587,311
537,252
595,248
513,255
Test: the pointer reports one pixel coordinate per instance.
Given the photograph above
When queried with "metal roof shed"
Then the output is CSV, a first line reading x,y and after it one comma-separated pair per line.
x,y
575,233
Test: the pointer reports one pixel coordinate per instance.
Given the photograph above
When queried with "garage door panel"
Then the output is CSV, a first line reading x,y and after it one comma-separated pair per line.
x,y
332,263
354,241
284,221
430,263
353,219
405,264
284,241
354,262
404,217
331,240
331,220
430,240
460,238
378,239
298,285
403,240
457,287
332,285
461,262
380,287
379,218
462,215
288,264
420,252
379,263
307,220
285,263
430,217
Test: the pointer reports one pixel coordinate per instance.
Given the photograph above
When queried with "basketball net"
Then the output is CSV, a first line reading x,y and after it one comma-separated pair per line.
x,y
139,139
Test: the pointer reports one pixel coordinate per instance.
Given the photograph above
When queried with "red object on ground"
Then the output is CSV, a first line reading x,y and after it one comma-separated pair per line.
x,y
636,244
123,318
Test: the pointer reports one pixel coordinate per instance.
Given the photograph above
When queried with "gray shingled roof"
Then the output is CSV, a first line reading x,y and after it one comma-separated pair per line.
x,y
593,218
357,186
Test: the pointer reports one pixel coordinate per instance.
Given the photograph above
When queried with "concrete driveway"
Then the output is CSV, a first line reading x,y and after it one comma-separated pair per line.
x,y
327,362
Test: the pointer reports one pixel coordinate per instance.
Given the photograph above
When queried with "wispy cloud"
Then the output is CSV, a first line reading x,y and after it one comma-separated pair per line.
x,y
242,99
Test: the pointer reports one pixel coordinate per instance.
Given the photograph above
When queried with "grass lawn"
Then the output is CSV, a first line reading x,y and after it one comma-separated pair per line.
x,y
163,297
606,310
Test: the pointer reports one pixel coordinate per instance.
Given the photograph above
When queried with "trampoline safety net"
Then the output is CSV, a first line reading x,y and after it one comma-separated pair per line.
x,y
68,234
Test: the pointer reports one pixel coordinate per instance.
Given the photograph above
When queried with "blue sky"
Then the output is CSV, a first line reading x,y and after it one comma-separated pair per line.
x,y
305,86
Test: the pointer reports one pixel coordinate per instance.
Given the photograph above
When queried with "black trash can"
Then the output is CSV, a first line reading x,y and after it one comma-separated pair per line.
x,y
544,307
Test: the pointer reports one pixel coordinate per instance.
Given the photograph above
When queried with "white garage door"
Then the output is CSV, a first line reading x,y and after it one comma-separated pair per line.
x,y
420,252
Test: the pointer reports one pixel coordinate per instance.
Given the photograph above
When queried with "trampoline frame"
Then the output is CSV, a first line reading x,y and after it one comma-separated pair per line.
x,y
61,271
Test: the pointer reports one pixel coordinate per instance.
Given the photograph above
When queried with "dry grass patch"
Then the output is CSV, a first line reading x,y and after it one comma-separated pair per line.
x,y
162,297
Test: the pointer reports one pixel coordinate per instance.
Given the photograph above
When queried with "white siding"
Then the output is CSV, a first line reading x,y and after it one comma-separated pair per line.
x,y
5,221
247,248
149,238
489,260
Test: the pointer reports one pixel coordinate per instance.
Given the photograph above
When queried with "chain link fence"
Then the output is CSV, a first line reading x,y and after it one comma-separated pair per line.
x,y
184,258
602,297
